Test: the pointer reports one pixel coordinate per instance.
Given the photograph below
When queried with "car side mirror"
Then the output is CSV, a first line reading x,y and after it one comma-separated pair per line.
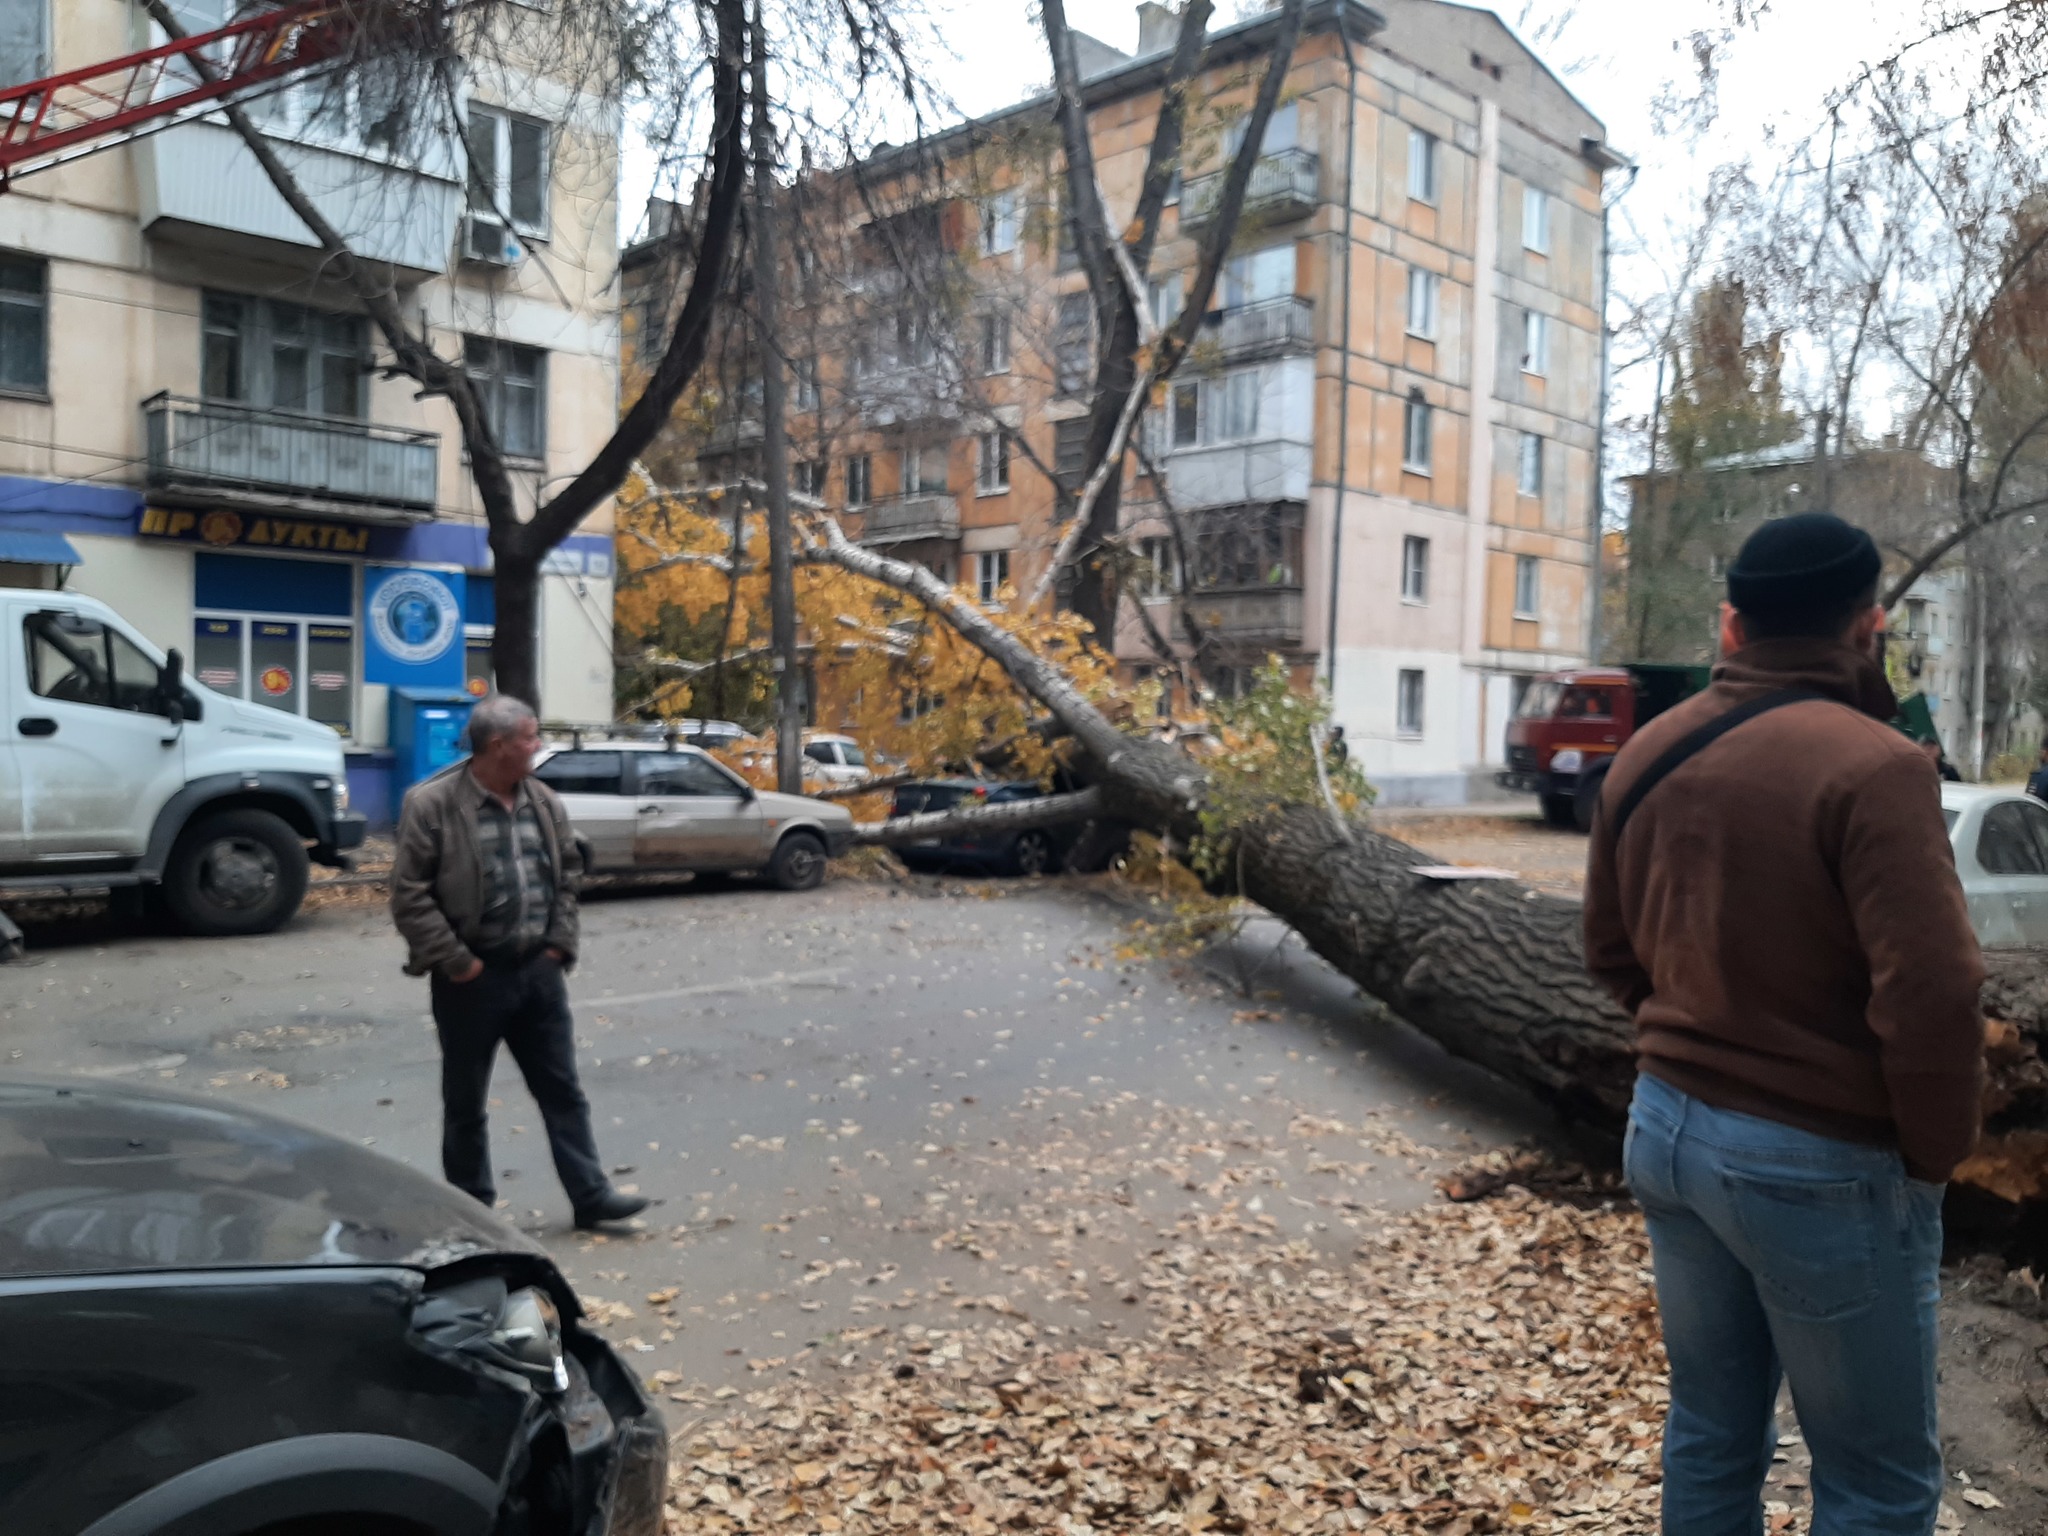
x,y
170,688
747,791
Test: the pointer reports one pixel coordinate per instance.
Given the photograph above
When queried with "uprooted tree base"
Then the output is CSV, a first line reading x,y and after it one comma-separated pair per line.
x,y
1491,969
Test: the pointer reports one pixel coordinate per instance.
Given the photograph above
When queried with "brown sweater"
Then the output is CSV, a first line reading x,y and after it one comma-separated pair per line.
x,y
1784,920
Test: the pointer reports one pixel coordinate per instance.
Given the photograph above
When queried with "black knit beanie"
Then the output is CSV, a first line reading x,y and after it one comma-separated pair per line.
x,y
1812,563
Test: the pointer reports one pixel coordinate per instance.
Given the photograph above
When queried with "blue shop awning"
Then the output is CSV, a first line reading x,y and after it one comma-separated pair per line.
x,y
21,548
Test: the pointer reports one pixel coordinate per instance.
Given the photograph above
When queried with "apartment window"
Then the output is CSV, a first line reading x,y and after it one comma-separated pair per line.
x,y
991,574
1536,220
1417,427
1000,220
1161,575
995,344
24,324
508,168
1423,288
514,383
1166,299
924,469
859,480
810,477
1408,703
992,463
1070,449
1073,335
1527,590
1422,166
1233,402
1414,569
1283,131
1529,481
25,40
1535,342
805,370
1187,415
266,352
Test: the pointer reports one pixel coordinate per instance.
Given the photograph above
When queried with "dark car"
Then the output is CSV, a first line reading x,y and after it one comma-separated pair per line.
x,y
1032,851
219,1323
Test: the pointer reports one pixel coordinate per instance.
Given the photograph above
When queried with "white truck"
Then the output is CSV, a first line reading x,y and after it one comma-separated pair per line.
x,y
118,772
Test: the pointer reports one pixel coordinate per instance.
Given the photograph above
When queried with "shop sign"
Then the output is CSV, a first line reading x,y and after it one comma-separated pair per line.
x,y
236,530
276,681
413,626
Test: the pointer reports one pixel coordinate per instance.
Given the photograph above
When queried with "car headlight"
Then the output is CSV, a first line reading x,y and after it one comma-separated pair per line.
x,y
1566,762
530,1333
484,1322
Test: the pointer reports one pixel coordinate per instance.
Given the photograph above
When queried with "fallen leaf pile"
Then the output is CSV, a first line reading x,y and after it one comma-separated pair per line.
x,y
1482,1367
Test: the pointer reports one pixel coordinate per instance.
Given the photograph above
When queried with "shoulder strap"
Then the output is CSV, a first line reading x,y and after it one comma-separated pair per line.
x,y
1694,742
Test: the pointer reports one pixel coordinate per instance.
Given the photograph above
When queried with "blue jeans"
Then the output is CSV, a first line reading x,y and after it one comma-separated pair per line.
x,y
1780,1253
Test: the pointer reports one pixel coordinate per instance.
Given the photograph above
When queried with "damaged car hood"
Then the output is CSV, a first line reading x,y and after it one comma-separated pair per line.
x,y
99,1178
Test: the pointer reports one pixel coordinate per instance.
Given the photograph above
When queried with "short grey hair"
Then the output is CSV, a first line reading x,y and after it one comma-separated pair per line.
x,y
497,714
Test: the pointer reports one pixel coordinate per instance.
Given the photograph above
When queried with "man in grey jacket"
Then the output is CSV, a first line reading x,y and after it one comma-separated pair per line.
x,y
483,892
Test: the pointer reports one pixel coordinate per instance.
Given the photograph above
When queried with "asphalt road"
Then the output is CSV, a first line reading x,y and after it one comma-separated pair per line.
x,y
875,1104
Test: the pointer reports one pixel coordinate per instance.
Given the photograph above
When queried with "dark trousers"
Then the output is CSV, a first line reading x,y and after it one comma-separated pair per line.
x,y
526,1005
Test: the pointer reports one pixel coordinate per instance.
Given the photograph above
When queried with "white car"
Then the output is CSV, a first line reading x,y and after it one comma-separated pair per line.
x,y
835,759
2000,838
641,807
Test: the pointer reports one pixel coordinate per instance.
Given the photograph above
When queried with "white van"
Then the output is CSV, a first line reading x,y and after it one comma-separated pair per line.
x,y
116,771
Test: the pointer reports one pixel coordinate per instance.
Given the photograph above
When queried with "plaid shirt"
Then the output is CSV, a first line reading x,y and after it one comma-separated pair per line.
x,y
519,880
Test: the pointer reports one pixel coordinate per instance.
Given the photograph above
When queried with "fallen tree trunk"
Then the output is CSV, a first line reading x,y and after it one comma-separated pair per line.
x,y
1491,969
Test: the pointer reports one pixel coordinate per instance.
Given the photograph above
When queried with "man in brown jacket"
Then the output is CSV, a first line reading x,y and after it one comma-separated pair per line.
x,y
484,895
1771,894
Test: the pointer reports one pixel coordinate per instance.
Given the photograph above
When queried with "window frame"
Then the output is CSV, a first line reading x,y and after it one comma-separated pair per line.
x,y
995,345
1428,286
1411,703
1415,569
1163,578
40,66
998,483
1536,215
11,300
860,479
991,575
1536,343
497,200
1528,603
1425,168
261,327
1418,432
246,620
1000,220
1529,465
491,380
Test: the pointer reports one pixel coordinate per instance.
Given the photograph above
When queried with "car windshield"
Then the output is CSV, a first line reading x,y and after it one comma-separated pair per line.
x,y
1540,702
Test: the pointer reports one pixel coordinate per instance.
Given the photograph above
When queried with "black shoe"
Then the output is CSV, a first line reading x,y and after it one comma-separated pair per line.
x,y
607,1207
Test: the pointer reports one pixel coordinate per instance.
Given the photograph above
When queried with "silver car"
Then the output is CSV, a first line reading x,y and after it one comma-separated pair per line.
x,y
2000,837
642,806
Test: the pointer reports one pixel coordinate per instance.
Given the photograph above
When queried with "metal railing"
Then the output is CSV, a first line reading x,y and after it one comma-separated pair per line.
x,y
1282,182
924,515
220,445
1266,329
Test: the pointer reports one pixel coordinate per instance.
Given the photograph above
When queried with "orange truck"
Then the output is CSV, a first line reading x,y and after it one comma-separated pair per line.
x,y
1564,735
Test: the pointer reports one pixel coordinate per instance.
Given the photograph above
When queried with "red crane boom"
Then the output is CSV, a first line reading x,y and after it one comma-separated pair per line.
x,y
79,112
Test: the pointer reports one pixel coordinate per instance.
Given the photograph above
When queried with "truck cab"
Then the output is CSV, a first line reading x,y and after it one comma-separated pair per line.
x,y
1563,738
119,772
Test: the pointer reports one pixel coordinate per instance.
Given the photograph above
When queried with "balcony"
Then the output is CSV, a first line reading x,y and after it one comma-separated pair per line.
x,y
1271,469
223,453
199,186
1282,186
1269,328
902,519
1254,619
902,394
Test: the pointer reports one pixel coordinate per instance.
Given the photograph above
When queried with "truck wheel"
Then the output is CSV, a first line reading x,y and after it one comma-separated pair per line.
x,y
1587,801
237,872
799,863
1559,811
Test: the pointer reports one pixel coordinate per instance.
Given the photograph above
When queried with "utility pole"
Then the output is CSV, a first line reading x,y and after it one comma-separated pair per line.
x,y
789,710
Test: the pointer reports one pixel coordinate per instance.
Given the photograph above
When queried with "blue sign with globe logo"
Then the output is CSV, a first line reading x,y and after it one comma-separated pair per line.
x,y
413,628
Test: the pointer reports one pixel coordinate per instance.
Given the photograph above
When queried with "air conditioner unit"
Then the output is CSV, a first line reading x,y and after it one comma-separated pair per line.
x,y
488,243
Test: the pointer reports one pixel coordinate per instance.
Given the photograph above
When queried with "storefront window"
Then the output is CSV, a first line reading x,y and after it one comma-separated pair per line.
x,y
477,675
285,664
